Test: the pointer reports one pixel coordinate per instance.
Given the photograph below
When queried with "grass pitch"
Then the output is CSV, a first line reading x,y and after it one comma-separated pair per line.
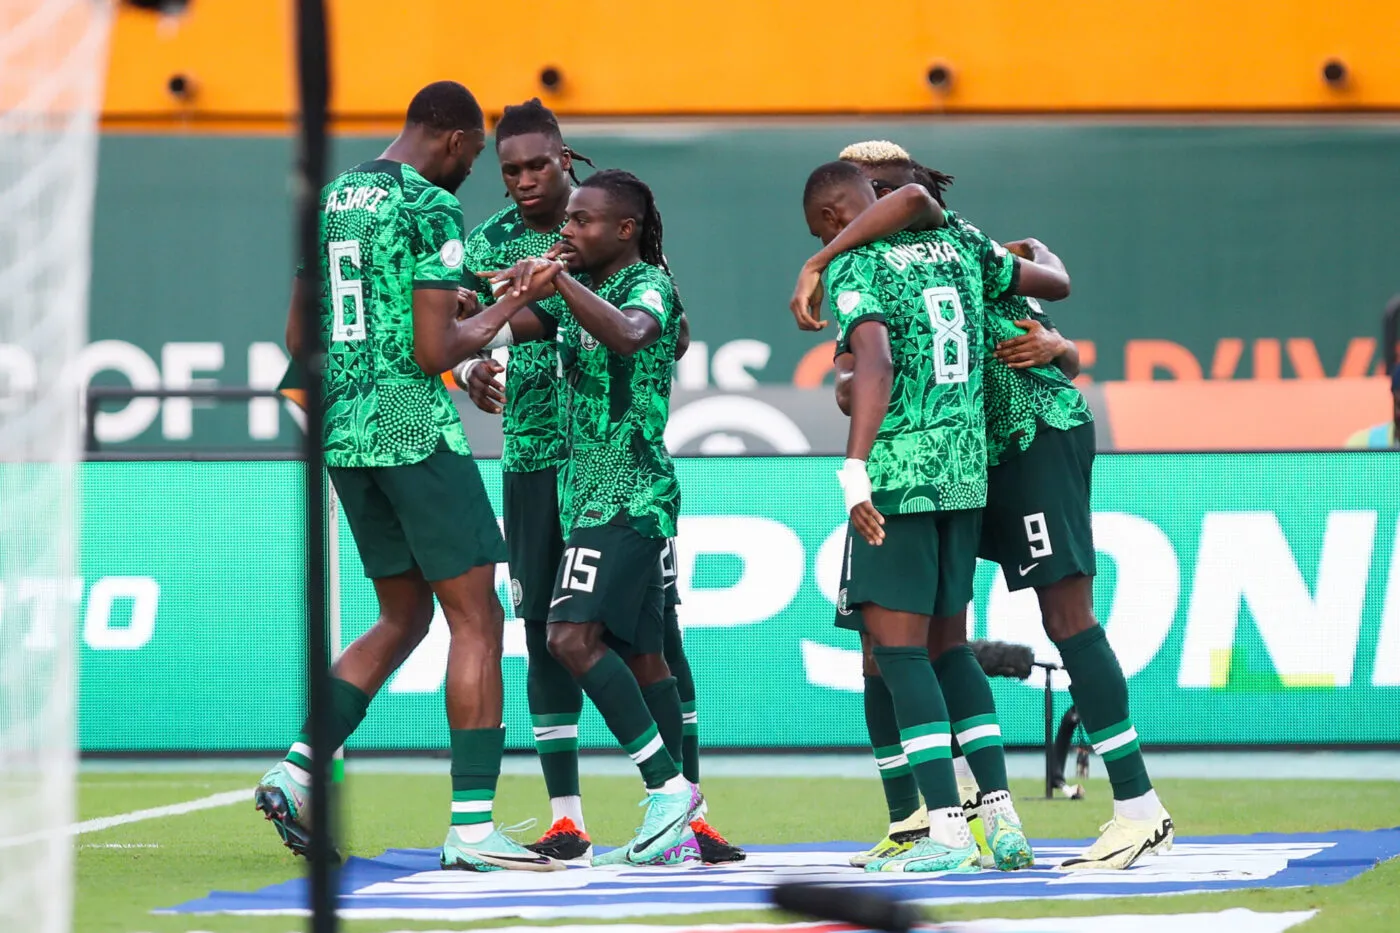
x,y
125,872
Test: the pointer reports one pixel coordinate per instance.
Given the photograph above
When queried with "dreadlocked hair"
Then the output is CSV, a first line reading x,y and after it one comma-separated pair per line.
x,y
933,181
640,204
534,117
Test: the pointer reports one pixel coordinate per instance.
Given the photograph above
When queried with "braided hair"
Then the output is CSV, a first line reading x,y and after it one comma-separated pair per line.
x,y
640,204
534,117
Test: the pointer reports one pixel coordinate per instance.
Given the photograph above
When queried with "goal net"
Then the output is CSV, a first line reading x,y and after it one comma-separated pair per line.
x,y
53,58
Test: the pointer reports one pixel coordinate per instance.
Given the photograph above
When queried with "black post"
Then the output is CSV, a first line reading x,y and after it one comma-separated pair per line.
x,y
1049,736
314,83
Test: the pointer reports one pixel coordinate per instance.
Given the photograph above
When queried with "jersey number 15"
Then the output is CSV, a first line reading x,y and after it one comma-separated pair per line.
x,y
345,291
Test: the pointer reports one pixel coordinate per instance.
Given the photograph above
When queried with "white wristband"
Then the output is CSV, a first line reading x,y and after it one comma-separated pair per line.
x,y
855,482
503,338
463,371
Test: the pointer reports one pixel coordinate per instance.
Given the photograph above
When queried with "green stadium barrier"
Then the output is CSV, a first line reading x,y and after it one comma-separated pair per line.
x,y
1252,598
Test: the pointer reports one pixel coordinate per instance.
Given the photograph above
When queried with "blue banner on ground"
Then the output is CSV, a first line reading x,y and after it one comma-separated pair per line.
x,y
406,883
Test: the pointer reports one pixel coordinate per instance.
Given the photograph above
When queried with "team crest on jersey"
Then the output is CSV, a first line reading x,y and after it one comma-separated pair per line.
x,y
452,254
517,593
847,301
841,605
588,341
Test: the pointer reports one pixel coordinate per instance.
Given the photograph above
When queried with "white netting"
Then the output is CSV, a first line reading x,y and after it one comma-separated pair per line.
x,y
53,59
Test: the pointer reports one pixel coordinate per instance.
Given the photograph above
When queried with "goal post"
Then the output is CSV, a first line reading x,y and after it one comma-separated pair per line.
x,y
53,60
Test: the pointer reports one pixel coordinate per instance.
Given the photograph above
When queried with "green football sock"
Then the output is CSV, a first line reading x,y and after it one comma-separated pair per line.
x,y
923,723
664,704
612,688
897,778
555,704
974,716
348,707
1100,694
476,767
685,686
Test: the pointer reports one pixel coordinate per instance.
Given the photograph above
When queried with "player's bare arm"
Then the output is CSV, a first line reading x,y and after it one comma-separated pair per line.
x,y
843,366
683,339
871,379
1041,274
909,206
442,339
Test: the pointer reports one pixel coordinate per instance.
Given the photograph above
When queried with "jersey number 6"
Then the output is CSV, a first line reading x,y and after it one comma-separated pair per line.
x,y
346,290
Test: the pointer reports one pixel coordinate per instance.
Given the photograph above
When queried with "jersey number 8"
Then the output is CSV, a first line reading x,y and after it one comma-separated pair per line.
x,y
949,334
346,290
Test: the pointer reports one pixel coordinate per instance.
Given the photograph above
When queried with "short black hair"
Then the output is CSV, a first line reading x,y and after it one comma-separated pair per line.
x,y
640,204
530,117
830,175
445,106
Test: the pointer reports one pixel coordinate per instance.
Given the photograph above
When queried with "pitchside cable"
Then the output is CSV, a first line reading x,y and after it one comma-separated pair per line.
x,y
314,84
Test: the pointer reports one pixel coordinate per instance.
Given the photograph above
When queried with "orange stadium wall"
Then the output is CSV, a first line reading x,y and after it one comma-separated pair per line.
x,y
771,56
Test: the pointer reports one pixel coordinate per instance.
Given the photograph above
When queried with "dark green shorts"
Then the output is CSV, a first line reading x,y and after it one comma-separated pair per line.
x,y
1037,524
925,565
433,516
669,575
533,538
612,574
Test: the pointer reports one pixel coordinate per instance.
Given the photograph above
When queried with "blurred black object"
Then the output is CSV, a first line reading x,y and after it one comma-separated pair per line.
x,y
160,6
1003,659
846,905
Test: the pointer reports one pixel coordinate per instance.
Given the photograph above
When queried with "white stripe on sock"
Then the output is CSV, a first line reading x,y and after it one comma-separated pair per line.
x,y
894,761
922,742
547,733
978,732
1117,741
301,748
647,750
471,806
690,718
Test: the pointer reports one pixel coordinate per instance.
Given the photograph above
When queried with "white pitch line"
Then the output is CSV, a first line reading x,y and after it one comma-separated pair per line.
x,y
135,816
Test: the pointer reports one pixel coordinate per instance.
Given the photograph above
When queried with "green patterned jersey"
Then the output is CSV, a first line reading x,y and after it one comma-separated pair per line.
x,y
385,231
927,288
531,422
1018,401
618,465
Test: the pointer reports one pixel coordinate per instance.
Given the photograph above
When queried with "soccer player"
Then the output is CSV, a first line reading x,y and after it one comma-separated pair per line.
x,y
537,168
620,498
909,310
1038,524
392,254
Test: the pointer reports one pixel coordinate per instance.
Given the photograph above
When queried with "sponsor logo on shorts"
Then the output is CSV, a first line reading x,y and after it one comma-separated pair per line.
x,y
517,593
556,602
1027,568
